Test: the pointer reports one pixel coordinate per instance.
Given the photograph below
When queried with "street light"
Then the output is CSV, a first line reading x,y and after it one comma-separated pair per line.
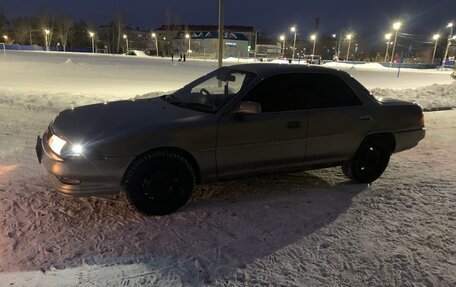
x,y
126,41
46,35
220,35
156,42
349,38
92,34
5,37
335,45
388,39
314,38
396,27
187,36
293,29
450,37
256,41
282,38
436,39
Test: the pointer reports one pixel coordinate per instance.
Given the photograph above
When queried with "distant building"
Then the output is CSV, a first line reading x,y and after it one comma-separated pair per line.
x,y
203,40
268,48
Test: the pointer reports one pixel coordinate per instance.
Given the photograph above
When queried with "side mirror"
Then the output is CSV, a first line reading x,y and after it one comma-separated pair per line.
x,y
247,108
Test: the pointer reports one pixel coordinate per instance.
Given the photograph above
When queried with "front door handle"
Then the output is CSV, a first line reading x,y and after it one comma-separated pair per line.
x,y
293,125
365,118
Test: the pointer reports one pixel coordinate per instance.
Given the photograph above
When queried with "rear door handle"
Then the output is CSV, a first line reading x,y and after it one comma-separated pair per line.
x,y
293,125
365,118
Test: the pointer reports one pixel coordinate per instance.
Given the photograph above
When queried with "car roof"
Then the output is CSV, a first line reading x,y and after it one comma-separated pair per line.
x,y
266,69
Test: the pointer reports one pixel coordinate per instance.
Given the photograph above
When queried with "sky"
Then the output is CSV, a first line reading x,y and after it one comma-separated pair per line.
x,y
365,17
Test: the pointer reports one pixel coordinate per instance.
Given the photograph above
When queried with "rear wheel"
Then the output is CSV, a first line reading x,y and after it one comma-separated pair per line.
x,y
159,183
369,162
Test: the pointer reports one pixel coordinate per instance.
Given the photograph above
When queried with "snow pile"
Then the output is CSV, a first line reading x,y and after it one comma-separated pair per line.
x,y
68,61
429,98
373,66
305,229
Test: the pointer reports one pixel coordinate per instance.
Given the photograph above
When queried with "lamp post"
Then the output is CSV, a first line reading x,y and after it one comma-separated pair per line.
x,y
293,29
6,38
126,41
335,45
396,27
256,41
187,36
314,38
156,42
388,39
220,34
46,35
282,38
436,39
450,25
349,38
92,34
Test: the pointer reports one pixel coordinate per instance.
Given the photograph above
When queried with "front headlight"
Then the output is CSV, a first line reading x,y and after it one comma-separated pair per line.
x,y
56,144
64,148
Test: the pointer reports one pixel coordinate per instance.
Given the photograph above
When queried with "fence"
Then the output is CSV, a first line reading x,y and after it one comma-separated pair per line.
x,y
18,47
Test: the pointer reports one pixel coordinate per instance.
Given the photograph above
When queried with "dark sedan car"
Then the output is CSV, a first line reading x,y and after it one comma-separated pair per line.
x,y
235,121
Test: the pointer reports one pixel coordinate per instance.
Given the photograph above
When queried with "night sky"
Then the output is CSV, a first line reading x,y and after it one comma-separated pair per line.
x,y
371,19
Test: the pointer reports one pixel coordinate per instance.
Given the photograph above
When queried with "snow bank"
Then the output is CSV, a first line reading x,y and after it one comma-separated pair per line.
x,y
367,66
429,98
312,228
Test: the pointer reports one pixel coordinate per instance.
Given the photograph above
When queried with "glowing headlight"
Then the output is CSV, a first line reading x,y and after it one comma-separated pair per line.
x,y
64,148
77,150
56,144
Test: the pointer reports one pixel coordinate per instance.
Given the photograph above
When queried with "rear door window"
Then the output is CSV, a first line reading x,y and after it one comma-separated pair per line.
x,y
300,91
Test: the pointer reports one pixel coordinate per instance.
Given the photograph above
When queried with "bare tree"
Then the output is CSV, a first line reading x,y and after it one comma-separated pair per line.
x,y
117,30
64,24
173,28
46,23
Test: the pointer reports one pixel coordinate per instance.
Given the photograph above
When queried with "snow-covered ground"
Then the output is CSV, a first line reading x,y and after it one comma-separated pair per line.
x,y
306,229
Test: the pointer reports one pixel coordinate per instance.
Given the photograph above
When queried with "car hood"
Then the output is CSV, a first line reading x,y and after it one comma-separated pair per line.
x,y
114,119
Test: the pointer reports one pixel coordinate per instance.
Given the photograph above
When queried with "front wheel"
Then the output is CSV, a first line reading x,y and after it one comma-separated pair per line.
x,y
369,162
159,183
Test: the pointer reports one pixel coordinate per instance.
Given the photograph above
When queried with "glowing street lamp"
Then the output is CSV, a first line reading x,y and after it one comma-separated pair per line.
x,y
92,34
282,38
334,36
314,39
450,37
156,42
436,39
5,37
187,36
396,27
126,41
349,38
293,29
46,35
388,42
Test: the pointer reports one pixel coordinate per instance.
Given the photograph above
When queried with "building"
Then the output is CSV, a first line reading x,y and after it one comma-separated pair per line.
x,y
268,48
198,40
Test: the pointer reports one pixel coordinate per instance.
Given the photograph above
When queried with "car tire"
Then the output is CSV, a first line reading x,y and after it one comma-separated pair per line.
x,y
159,183
369,162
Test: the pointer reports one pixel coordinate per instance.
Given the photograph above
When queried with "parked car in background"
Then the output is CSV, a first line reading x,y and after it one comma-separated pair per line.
x,y
234,122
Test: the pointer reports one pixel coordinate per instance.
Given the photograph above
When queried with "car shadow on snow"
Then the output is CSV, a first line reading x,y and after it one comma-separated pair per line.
x,y
224,228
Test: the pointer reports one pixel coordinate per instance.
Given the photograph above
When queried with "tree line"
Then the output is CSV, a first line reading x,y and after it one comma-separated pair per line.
x,y
62,29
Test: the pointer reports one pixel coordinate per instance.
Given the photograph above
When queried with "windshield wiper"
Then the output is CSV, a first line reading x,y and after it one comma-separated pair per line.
x,y
171,99
199,106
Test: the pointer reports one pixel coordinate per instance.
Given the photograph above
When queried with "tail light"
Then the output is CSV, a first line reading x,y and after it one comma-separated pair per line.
x,y
422,118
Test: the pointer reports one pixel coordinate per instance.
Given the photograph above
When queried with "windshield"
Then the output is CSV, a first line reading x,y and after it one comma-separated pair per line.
x,y
211,92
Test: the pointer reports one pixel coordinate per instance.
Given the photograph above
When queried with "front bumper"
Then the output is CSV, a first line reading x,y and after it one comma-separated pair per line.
x,y
408,139
82,177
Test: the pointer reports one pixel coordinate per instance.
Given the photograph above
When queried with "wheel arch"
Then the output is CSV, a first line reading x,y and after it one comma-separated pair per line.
x,y
384,135
184,153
